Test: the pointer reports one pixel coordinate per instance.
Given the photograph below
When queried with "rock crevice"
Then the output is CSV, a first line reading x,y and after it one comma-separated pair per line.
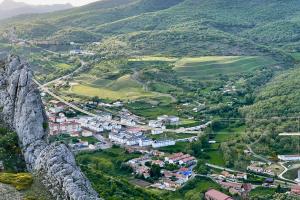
x,y
23,111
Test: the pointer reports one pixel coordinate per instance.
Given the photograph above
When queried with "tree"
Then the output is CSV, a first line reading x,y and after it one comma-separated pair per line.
x,y
155,171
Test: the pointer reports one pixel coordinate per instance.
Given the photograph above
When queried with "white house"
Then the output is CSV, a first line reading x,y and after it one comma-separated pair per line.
x,y
156,131
128,121
87,133
173,120
155,124
105,117
76,52
163,143
119,138
145,142
132,141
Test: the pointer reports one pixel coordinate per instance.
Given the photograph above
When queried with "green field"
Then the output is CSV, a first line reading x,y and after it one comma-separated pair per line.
x,y
152,107
153,58
208,67
291,174
261,191
109,177
108,161
227,134
123,88
178,147
216,157
194,189
171,135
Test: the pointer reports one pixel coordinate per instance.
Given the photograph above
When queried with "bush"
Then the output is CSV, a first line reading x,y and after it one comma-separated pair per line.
x,y
21,181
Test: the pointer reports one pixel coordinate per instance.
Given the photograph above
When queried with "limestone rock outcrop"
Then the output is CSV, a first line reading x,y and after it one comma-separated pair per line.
x,y
21,108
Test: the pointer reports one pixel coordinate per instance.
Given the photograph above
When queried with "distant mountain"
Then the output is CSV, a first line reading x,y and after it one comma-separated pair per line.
x,y
172,27
10,8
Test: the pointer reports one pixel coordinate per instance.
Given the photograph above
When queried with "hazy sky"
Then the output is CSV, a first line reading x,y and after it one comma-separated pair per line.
x,y
73,2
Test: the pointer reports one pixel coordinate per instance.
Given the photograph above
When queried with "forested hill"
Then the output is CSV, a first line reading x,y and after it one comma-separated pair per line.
x,y
275,110
173,27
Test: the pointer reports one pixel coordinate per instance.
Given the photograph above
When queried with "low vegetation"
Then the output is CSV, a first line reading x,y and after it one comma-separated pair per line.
x,y
10,152
21,181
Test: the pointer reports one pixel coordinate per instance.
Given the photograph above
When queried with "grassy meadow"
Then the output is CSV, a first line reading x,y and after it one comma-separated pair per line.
x,y
124,88
209,67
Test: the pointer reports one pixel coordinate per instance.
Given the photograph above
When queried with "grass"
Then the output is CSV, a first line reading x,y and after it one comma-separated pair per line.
x,y
216,157
108,178
153,58
291,174
178,147
262,191
227,134
296,56
21,181
108,93
186,123
208,67
63,66
145,108
194,188
164,87
90,140
108,161
171,135
123,88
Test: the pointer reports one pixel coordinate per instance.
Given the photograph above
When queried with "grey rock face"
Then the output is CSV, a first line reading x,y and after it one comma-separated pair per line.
x,y
23,111
9,193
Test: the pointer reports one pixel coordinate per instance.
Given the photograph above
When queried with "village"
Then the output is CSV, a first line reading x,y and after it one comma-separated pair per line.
x,y
110,130
165,171
174,170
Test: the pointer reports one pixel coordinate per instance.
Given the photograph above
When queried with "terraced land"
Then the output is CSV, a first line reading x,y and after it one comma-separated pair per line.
x,y
208,67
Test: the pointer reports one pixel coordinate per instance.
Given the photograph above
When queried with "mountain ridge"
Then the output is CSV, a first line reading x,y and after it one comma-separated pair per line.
x,y
11,8
179,24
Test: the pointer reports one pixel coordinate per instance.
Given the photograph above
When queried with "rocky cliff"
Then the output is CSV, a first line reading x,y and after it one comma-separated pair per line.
x,y
22,110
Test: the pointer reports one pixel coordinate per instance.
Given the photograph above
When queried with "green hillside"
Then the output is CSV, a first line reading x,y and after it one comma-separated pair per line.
x,y
209,67
232,62
172,27
276,110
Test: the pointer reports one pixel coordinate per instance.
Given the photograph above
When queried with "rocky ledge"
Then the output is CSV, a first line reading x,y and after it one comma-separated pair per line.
x,y
21,108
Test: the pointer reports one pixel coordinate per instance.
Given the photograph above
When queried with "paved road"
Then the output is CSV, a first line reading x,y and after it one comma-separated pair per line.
x,y
258,156
236,171
66,76
285,170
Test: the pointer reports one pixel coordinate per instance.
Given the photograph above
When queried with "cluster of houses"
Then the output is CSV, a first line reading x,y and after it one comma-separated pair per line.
x,y
160,123
260,168
227,176
136,137
233,183
170,180
81,52
60,124
121,128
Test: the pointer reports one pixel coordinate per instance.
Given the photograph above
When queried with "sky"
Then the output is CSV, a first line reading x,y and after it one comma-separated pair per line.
x,y
46,2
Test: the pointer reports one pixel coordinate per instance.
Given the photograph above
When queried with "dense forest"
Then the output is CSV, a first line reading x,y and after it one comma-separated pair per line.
x,y
276,110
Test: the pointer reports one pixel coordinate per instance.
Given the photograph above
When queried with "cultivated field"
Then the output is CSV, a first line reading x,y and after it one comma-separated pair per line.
x,y
208,67
123,88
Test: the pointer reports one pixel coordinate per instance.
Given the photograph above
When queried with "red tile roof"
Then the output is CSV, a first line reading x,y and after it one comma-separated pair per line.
x,y
216,195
